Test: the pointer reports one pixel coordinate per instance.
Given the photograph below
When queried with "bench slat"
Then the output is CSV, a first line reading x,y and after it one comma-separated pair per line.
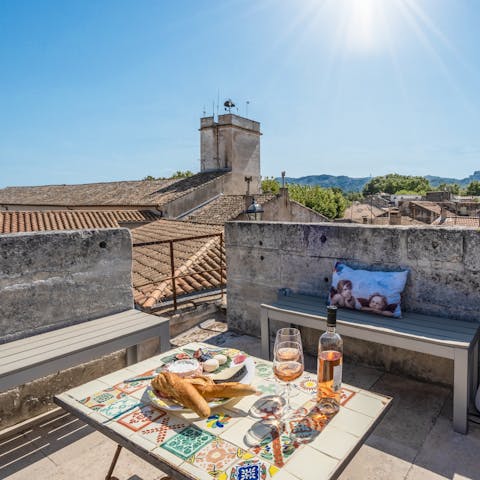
x,y
408,317
388,324
63,332
76,342
443,329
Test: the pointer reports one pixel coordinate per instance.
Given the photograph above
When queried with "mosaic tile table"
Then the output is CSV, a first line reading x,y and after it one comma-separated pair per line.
x,y
236,442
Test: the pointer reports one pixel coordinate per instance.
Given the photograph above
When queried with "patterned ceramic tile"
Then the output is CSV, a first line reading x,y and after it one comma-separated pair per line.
x,y
102,398
347,395
307,384
123,405
130,387
216,456
254,469
263,370
266,387
217,422
162,429
277,448
269,406
188,442
140,417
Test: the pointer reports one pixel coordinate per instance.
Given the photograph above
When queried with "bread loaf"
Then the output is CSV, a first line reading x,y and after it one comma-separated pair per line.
x,y
209,391
173,386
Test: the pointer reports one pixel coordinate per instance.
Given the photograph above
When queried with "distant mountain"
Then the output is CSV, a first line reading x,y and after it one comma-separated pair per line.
x,y
350,184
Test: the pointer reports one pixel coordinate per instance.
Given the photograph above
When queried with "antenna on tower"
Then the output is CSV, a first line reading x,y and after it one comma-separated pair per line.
x,y
204,111
247,103
218,100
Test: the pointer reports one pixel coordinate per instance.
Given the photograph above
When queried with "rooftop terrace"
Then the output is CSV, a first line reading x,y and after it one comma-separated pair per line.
x,y
414,440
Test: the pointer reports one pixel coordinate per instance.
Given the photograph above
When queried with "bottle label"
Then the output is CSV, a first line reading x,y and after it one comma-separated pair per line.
x,y
337,378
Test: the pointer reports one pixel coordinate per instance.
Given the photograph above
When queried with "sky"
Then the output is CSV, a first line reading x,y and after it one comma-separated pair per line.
x,y
105,90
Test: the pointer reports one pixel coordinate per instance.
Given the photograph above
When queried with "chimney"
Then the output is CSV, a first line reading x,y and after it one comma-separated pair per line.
x,y
232,143
395,217
365,219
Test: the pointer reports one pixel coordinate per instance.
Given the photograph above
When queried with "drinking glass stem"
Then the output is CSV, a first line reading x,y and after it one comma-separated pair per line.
x,y
287,395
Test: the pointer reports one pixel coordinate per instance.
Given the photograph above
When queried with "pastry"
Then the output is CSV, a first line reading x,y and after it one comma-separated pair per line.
x,y
183,392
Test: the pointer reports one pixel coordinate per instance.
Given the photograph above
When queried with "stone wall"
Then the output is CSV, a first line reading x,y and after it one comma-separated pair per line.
x,y
284,209
50,279
444,277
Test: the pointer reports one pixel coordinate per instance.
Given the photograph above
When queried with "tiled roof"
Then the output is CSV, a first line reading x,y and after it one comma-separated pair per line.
x,y
406,220
198,259
431,206
357,211
129,193
224,208
13,222
472,222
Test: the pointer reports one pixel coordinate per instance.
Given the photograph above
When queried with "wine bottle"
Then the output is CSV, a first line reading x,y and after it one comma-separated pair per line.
x,y
329,367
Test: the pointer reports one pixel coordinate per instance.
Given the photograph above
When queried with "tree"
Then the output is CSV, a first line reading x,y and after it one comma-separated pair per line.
x,y
327,201
473,188
177,174
393,183
270,185
181,174
450,187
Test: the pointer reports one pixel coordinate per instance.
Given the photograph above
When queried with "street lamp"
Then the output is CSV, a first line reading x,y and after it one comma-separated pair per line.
x,y
254,211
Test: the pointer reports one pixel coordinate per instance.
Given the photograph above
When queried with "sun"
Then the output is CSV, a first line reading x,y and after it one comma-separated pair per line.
x,y
366,24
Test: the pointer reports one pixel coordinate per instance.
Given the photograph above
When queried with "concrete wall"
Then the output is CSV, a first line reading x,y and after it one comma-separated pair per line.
x,y
444,275
286,210
196,197
233,143
50,279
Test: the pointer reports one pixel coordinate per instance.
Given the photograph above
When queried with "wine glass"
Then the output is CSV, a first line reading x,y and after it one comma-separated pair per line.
x,y
288,335
288,366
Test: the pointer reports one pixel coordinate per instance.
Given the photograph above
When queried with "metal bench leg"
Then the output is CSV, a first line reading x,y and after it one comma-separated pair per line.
x,y
460,390
114,462
265,334
132,355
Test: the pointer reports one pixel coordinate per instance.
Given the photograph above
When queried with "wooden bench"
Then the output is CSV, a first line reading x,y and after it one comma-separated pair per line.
x,y
441,337
39,355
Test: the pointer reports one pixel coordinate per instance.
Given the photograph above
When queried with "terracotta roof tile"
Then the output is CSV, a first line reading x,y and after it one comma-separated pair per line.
x,y
13,221
357,211
224,208
472,222
127,193
194,260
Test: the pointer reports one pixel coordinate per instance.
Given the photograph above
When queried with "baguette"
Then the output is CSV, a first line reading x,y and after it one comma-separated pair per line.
x,y
209,391
172,385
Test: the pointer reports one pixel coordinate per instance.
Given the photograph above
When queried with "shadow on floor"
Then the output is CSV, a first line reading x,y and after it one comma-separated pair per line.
x,y
31,446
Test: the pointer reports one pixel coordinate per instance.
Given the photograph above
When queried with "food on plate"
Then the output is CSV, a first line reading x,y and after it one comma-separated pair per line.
x,y
210,365
241,357
171,385
185,368
232,374
209,390
202,356
221,359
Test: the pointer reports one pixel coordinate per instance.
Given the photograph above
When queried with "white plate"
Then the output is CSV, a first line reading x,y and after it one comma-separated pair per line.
x,y
169,404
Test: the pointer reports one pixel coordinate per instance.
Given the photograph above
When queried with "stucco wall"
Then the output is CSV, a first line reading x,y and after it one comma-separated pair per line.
x,y
444,274
50,279
196,197
283,209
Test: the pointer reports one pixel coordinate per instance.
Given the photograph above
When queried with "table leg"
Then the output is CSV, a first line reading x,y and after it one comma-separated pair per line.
x,y
265,334
114,462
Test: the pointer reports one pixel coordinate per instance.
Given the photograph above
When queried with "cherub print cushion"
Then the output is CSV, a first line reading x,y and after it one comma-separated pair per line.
x,y
370,291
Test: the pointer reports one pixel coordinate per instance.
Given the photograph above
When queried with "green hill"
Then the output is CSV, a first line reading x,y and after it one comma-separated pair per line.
x,y
350,184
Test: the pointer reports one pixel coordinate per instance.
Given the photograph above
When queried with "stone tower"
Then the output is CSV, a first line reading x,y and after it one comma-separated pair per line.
x,y
232,144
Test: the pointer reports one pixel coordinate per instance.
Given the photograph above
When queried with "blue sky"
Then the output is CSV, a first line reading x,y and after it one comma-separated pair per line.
x,y
113,90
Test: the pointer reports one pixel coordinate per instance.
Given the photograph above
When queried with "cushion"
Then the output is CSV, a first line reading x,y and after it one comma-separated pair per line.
x,y
370,291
